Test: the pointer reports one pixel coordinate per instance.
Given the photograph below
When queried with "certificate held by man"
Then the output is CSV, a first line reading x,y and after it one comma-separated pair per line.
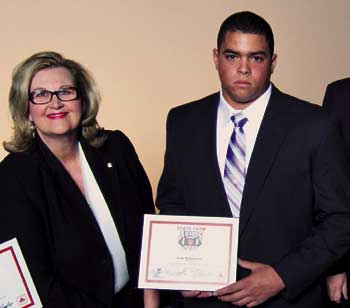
x,y
188,252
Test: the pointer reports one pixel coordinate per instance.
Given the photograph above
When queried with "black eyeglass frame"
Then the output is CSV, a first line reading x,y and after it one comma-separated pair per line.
x,y
57,94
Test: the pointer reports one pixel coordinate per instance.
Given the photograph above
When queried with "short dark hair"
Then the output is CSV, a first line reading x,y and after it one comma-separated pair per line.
x,y
246,22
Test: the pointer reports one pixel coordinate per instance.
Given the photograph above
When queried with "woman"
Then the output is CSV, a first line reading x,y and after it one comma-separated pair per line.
x,y
72,193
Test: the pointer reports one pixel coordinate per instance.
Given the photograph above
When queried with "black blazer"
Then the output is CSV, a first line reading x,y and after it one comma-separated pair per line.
x,y
61,241
295,207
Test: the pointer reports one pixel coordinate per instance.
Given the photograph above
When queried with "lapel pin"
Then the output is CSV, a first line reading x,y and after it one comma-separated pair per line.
x,y
109,165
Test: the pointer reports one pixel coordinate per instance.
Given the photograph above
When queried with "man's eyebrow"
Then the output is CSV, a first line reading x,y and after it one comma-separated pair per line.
x,y
253,53
230,51
257,53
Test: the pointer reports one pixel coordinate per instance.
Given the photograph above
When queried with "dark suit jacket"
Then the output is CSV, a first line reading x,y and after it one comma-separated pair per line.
x,y
337,100
61,241
295,206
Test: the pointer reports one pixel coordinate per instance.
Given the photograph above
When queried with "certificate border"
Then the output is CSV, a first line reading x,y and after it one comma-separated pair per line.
x,y
152,222
11,250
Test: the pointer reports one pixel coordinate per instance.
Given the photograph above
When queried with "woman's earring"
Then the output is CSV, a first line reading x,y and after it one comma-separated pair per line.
x,y
32,128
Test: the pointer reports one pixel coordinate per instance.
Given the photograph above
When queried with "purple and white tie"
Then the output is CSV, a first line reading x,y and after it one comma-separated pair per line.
x,y
235,165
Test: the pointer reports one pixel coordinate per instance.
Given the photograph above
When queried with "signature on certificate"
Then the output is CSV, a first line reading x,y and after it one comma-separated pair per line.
x,y
188,272
9,304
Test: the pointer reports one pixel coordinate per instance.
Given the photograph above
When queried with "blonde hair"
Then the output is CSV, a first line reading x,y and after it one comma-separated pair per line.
x,y
22,76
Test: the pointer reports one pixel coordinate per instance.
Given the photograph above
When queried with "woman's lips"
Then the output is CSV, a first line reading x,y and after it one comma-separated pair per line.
x,y
58,115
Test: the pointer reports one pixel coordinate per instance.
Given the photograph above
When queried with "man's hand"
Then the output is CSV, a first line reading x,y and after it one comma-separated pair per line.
x,y
151,298
336,286
262,283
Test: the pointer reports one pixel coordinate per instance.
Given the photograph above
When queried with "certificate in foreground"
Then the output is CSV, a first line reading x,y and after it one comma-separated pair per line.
x,y
17,289
188,252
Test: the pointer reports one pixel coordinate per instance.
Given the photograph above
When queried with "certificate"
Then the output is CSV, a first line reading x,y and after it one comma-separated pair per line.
x,y
188,252
17,289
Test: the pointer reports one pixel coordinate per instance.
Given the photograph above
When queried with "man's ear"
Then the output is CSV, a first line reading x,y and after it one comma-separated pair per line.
x,y
273,62
216,57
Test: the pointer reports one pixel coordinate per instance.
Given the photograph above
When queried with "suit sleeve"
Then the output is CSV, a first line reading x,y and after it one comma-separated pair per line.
x,y
170,199
329,239
22,218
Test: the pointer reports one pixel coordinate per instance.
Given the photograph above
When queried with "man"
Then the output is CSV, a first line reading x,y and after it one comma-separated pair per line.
x,y
337,100
286,153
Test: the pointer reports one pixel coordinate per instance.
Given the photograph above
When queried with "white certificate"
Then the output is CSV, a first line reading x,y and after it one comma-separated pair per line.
x,y
188,252
17,289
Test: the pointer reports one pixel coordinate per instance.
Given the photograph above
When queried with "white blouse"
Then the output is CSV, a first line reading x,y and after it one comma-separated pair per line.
x,y
105,221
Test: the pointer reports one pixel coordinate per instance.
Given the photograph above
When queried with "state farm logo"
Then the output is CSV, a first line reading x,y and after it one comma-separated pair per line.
x,y
22,300
190,237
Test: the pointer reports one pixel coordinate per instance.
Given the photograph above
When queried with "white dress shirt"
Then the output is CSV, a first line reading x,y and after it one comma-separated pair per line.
x,y
224,126
105,221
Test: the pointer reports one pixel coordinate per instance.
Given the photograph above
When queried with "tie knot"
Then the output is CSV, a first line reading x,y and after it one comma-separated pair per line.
x,y
239,120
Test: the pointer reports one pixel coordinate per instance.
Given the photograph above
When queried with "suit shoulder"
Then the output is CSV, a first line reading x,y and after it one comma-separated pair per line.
x,y
18,167
299,110
117,142
307,110
195,108
197,105
116,136
340,84
296,104
20,161
307,107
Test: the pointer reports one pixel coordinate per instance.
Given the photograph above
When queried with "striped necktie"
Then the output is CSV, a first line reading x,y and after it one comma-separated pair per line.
x,y
235,165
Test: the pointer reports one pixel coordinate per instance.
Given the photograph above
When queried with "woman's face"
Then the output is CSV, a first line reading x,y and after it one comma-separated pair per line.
x,y
56,119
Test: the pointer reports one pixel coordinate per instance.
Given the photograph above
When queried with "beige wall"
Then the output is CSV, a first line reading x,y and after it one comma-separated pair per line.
x,y
149,56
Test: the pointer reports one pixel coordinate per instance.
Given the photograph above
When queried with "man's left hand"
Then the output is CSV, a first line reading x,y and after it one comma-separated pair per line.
x,y
262,283
337,287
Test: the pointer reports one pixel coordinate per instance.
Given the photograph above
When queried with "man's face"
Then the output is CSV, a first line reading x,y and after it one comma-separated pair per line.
x,y
244,65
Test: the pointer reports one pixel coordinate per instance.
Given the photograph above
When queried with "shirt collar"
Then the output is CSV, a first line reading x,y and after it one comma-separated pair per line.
x,y
257,107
